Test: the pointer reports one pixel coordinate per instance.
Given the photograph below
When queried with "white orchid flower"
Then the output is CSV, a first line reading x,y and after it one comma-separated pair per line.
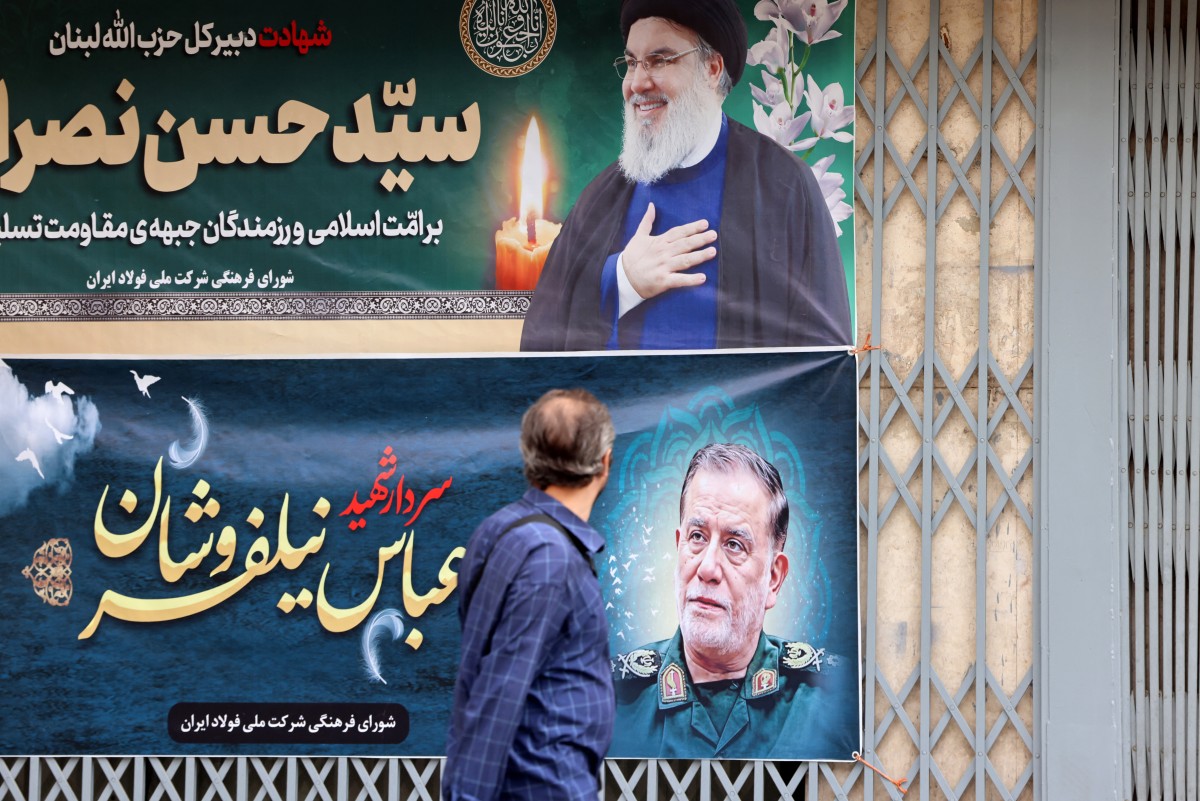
x,y
811,20
831,190
829,112
780,125
771,93
771,52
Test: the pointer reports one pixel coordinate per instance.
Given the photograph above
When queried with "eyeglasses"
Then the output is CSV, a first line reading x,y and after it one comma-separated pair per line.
x,y
651,64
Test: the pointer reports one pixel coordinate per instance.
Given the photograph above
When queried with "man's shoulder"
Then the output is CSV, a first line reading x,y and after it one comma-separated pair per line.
x,y
641,665
644,663
636,675
524,529
805,664
513,524
770,155
504,517
607,185
796,654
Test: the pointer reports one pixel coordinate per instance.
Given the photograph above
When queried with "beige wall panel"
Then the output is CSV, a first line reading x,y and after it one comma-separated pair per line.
x,y
1010,318
902,317
260,337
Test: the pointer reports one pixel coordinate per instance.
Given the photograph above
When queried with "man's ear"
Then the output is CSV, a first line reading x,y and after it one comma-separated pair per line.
x,y
714,68
779,571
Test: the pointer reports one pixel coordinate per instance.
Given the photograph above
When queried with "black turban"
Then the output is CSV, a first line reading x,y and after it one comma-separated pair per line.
x,y
718,22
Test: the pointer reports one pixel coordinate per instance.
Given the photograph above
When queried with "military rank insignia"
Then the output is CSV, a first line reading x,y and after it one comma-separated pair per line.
x,y
801,655
671,684
641,663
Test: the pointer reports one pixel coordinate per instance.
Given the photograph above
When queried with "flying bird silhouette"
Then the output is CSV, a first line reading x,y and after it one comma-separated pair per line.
x,y
144,382
58,435
29,456
58,390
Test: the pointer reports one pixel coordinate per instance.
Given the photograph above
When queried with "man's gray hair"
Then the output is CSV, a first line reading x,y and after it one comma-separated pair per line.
x,y
724,457
707,52
564,436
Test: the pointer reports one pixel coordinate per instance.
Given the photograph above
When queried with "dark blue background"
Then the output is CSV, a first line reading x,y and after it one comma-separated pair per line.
x,y
316,428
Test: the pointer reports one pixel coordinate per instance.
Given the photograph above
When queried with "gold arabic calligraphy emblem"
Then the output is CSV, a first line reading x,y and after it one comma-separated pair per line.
x,y
507,38
50,571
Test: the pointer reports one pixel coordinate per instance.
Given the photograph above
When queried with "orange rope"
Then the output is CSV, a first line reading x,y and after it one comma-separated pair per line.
x,y
864,347
858,757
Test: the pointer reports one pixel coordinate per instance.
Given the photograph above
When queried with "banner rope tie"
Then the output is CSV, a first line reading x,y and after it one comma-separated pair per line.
x,y
858,757
865,346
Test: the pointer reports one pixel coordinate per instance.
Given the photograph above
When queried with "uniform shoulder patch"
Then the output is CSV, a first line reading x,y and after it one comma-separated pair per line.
x,y
640,663
801,656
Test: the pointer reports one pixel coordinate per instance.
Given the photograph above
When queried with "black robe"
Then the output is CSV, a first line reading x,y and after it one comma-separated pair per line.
x,y
780,281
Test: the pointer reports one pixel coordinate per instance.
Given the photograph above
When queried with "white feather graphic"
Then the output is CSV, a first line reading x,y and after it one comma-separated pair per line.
x,y
381,624
186,455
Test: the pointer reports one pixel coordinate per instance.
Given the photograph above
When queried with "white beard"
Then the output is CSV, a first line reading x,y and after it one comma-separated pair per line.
x,y
648,154
729,635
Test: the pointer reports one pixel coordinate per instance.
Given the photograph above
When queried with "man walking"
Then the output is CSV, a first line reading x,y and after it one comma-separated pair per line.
x,y
533,704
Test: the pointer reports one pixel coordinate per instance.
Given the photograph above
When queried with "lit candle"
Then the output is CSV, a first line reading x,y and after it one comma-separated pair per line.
x,y
523,242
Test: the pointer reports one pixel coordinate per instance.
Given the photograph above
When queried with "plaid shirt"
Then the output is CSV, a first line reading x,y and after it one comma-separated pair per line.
x,y
533,704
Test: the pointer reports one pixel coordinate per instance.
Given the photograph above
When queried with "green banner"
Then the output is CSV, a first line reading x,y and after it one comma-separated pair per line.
x,y
301,150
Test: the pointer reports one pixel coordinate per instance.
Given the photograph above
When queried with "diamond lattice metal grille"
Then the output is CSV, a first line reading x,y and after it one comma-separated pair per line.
x,y
946,235
946,178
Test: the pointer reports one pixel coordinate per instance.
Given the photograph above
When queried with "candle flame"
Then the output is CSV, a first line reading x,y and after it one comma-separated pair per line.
x,y
533,174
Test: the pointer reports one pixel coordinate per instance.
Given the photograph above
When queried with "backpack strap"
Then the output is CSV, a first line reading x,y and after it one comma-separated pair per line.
x,y
540,517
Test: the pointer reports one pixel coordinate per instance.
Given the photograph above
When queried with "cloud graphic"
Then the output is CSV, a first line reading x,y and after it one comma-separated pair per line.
x,y
49,431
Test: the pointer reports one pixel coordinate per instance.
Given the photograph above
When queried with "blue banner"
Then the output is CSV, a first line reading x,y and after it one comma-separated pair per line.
x,y
259,556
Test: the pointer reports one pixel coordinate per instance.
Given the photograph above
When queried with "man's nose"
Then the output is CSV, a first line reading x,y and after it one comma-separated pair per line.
x,y
709,569
640,80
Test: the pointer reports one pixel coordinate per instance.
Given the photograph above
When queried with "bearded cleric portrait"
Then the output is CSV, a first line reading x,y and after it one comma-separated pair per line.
x,y
722,687
705,233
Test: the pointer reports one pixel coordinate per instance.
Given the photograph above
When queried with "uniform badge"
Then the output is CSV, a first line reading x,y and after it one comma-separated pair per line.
x,y
641,662
764,681
671,684
800,655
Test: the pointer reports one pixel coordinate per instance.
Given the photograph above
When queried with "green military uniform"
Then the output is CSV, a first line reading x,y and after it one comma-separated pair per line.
x,y
793,703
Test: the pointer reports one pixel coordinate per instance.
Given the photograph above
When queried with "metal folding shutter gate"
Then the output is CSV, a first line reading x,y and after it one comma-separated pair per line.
x,y
1160,499
947,132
